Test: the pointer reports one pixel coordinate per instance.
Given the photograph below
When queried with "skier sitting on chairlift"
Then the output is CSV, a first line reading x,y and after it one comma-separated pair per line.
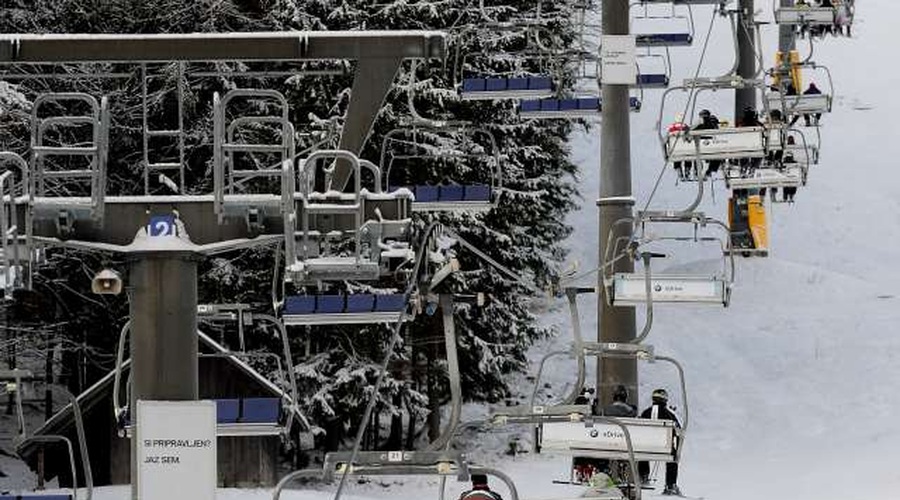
x,y
812,90
619,406
480,490
659,410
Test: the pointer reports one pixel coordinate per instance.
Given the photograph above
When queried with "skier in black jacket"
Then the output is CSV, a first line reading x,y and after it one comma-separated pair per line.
x,y
619,406
659,410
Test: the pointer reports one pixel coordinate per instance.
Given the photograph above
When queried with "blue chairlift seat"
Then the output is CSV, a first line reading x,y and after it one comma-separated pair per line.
x,y
451,193
300,304
453,198
228,411
425,194
506,88
360,303
582,107
477,193
260,410
653,80
352,309
329,304
664,39
392,302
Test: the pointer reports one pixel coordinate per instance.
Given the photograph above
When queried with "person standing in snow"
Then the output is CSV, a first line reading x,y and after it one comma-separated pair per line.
x,y
480,490
659,410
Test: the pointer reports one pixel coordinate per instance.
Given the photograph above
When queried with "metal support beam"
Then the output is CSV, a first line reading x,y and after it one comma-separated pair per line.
x,y
163,297
260,46
745,97
786,43
372,82
616,324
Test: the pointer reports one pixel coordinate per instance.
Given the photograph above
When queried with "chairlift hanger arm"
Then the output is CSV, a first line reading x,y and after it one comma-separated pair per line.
x,y
258,46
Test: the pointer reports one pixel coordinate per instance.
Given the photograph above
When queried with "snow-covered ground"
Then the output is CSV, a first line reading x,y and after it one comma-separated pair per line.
x,y
792,386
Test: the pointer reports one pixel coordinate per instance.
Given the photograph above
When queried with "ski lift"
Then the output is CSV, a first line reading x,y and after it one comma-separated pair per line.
x,y
803,103
632,288
373,223
677,31
654,71
480,197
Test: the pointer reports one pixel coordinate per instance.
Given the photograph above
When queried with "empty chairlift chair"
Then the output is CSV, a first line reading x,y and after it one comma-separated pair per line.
x,y
248,417
580,107
229,145
653,71
360,308
713,288
56,160
668,29
416,154
357,234
493,88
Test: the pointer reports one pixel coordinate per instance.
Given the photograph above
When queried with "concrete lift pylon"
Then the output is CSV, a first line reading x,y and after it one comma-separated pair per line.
x,y
162,282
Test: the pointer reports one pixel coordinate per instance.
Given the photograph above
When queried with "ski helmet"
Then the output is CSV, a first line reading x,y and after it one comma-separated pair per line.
x,y
660,395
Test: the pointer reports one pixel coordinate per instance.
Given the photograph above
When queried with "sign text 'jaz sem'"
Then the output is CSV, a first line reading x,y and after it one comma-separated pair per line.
x,y
176,456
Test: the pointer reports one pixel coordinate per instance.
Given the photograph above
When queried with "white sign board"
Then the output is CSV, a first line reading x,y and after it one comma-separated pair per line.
x,y
176,450
618,60
646,437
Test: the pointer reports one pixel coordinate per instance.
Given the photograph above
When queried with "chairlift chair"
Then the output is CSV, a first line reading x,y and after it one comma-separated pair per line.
x,y
801,103
374,224
516,83
653,71
17,253
679,34
804,15
235,417
639,287
23,441
572,108
352,309
474,198
48,141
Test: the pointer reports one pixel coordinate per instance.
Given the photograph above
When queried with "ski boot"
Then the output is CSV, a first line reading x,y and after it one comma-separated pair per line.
x,y
672,489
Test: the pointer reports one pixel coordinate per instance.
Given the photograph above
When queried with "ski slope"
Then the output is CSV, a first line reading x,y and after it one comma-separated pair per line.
x,y
792,386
